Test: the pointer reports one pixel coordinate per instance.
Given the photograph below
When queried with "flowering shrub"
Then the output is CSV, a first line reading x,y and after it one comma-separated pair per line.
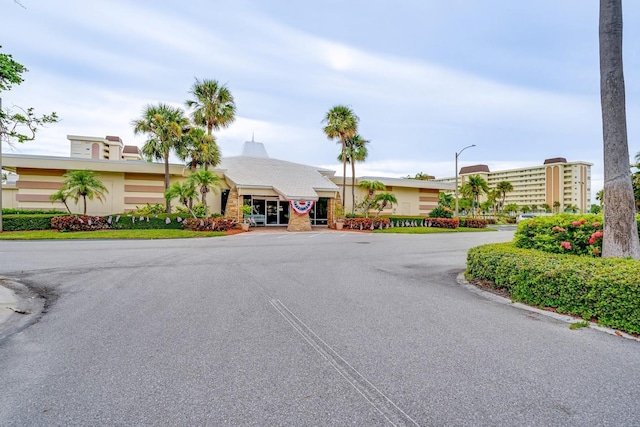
x,y
475,223
597,289
443,222
562,234
366,223
441,212
78,223
209,224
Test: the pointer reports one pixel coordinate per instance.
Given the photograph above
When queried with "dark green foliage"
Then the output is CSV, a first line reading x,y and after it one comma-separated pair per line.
x,y
145,222
9,211
40,221
399,218
604,290
441,212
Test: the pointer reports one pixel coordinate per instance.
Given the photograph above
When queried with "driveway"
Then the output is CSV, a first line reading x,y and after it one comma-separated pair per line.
x,y
295,329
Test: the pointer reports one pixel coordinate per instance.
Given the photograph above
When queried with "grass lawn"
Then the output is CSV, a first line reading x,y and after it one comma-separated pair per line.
x,y
431,230
107,234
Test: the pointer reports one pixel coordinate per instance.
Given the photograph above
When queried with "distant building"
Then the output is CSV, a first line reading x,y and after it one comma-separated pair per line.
x,y
107,148
557,180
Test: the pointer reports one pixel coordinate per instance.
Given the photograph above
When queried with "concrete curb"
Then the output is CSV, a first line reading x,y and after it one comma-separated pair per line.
x,y
557,316
19,307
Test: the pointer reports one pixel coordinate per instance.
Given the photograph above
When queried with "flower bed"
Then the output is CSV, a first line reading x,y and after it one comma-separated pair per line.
x,y
209,224
79,223
365,223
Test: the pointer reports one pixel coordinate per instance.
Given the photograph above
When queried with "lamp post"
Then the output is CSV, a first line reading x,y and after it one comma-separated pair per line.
x,y
458,154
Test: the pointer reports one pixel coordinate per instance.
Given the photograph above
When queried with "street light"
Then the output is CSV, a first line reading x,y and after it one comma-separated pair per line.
x,y
458,154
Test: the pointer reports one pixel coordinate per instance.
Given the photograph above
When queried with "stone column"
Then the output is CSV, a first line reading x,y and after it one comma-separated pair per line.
x,y
299,222
232,210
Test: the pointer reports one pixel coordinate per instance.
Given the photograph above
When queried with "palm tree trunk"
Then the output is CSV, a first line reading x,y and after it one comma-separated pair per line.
x,y
166,181
84,199
204,191
620,227
353,185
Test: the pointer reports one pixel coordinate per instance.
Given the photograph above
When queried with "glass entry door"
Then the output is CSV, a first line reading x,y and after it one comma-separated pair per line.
x,y
276,212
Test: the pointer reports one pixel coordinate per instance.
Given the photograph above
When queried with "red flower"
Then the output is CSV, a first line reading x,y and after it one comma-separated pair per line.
x,y
566,245
576,223
596,225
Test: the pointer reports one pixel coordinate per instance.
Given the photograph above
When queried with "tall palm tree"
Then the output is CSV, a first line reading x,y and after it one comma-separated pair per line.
x,y
356,152
620,228
504,187
184,191
341,124
83,183
164,126
199,149
207,181
213,105
474,188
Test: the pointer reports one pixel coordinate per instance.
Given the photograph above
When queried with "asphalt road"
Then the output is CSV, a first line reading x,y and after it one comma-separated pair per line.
x,y
295,330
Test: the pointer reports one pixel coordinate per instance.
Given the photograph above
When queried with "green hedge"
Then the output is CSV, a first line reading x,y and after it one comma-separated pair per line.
x,y
11,211
130,222
605,290
27,222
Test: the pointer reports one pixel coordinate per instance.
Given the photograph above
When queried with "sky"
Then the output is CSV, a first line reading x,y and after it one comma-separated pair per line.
x,y
520,80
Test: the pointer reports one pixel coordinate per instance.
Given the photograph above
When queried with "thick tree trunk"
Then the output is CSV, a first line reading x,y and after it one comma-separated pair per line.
x,y
620,228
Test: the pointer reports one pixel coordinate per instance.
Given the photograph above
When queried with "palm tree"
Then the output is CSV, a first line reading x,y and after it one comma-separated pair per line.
x,y
60,196
207,181
356,152
504,187
600,197
620,228
199,149
83,183
492,197
341,124
383,200
371,187
213,105
184,191
445,200
474,188
525,209
534,208
546,207
556,206
421,176
164,126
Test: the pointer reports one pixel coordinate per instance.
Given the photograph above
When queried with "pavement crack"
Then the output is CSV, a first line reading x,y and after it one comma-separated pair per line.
x,y
387,408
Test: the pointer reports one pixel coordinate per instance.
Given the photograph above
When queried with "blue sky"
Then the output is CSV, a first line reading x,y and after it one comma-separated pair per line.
x,y
427,78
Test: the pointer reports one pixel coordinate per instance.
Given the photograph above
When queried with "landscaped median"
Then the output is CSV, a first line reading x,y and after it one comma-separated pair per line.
x,y
603,290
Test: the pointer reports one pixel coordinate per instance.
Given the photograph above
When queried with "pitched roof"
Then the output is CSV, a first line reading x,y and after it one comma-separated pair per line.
x,y
131,149
474,169
293,181
555,160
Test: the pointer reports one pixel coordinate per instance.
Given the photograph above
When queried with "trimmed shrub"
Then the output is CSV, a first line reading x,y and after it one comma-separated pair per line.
x,y
11,211
441,212
144,222
443,222
397,218
78,223
602,290
366,223
27,222
475,223
209,224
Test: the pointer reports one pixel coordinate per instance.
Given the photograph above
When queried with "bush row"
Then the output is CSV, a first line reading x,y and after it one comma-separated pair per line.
x,y
602,290
366,223
209,224
443,222
474,223
78,223
27,222
11,211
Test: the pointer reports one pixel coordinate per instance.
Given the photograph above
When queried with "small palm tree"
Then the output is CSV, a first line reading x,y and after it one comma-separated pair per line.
x,y
341,124
83,183
60,196
164,126
546,207
207,181
383,200
184,191
474,188
504,187
556,206
445,200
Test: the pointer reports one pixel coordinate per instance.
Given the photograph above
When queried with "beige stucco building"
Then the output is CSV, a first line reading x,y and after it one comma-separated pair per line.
x,y
556,180
273,188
